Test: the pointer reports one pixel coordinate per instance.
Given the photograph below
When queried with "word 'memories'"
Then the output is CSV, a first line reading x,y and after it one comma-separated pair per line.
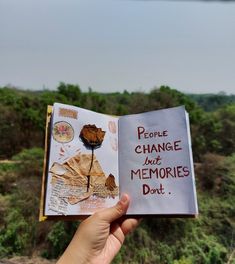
x,y
160,173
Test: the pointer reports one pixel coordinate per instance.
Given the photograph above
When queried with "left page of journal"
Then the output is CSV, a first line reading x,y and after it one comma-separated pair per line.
x,y
82,174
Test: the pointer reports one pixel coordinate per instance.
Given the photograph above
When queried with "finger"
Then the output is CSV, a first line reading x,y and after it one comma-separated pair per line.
x,y
129,225
113,213
117,232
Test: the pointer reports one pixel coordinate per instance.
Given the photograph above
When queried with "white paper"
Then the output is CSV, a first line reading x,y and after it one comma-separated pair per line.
x,y
158,180
58,192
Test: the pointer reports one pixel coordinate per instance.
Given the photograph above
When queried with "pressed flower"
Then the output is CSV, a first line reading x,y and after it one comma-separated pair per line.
x,y
92,138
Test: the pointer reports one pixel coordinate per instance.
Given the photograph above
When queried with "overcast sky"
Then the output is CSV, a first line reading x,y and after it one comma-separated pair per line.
x,y
118,45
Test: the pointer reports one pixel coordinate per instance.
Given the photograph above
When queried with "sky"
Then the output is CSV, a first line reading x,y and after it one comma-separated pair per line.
x,y
117,45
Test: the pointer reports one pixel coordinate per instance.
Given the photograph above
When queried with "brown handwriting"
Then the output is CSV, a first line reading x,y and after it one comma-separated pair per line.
x,y
142,133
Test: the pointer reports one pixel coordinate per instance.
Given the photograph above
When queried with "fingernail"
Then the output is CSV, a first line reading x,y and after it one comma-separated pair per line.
x,y
124,198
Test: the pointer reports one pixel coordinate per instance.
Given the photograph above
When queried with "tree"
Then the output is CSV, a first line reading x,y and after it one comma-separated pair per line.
x,y
70,91
227,132
10,132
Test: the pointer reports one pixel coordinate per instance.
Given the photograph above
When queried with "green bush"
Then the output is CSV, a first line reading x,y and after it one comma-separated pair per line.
x,y
183,260
59,237
30,161
15,238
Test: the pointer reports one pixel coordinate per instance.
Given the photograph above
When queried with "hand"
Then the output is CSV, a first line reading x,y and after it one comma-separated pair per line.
x,y
100,237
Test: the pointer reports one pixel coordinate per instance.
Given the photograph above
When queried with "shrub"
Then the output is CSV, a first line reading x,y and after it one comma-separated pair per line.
x,y
59,237
15,238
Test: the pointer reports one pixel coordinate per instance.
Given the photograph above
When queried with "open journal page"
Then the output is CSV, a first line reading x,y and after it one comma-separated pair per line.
x,y
155,163
83,162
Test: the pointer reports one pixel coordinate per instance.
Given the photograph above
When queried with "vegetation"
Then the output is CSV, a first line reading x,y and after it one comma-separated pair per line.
x,y
211,102
209,239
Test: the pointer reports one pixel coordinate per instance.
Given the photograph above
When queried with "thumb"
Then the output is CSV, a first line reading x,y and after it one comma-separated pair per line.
x,y
113,213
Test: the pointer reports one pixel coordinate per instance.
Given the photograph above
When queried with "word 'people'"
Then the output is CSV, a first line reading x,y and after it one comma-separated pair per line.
x,y
143,134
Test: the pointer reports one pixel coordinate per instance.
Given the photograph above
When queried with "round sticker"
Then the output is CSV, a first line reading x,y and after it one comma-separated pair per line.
x,y
63,132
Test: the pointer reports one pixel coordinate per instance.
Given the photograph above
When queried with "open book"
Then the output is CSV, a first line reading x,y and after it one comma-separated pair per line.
x,y
93,158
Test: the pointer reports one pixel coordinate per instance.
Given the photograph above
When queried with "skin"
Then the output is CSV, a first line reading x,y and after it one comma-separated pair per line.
x,y
99,238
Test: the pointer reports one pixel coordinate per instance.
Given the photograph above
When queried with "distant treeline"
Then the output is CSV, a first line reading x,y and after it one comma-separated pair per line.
x,y
23,113
211,102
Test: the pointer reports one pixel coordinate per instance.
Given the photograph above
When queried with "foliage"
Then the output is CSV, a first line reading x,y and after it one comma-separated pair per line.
x,y
59,237
226,135
21,190
9,129
23,115
22,121
211,172
207,239
29,161
16,237
70,91
211,102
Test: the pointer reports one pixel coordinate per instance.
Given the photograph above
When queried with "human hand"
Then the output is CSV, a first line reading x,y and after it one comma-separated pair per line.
x,y
99,238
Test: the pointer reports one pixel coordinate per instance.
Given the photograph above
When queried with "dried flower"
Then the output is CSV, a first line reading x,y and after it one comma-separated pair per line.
x,y
92,136
110,182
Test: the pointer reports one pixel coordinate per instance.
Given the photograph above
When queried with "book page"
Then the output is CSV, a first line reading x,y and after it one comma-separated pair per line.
x,y
155,163
83,162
